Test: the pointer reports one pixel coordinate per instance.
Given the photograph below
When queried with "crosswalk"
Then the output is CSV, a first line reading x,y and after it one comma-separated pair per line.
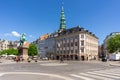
x,y
108,74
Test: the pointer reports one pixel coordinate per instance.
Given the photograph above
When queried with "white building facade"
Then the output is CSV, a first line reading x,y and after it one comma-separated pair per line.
x,y
4,45
77,44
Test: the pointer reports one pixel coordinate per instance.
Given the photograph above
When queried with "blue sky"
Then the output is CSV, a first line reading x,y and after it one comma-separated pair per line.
x,y
37,17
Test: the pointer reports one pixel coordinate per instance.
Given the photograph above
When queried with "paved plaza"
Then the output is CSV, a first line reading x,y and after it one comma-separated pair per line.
x,y
54,70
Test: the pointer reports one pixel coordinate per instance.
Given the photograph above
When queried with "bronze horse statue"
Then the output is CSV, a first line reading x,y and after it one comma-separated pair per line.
x,y
22,39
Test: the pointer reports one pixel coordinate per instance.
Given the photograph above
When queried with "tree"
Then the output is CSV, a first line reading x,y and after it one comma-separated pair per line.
x,y
32,50
113,44
3,52
10,51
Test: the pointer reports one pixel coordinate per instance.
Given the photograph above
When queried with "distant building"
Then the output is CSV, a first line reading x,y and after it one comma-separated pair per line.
x,y
41,48
43,37
13,44
50,46
4,45
41,45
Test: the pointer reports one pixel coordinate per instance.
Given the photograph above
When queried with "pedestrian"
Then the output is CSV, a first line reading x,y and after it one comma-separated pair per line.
x,y
21,59
61,59
17,59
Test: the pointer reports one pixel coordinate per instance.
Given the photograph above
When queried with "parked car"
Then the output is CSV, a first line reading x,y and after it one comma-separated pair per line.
x,y
35,58
29,59
45,58
104,59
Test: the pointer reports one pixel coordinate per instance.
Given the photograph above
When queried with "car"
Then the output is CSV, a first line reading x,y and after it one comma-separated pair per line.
x,y
29,59
104,59
35,58
45,58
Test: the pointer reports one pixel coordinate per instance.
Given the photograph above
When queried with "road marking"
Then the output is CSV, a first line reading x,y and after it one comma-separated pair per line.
x,y
109,74
1,74
82,77
110,70
106,75
41,74
95,76
54,64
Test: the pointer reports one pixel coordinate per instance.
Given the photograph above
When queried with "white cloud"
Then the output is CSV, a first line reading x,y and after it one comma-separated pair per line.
x,y
14,33
31,36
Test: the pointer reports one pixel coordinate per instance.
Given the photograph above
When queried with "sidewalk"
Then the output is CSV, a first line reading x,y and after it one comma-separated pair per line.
x,y
114,63
7,62
110,63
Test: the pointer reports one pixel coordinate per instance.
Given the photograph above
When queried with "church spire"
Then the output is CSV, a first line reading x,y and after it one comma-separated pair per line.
x,y
62,19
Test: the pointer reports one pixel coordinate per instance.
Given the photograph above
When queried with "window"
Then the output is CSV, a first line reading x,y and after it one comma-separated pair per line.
x,y
68,44
61,52
82,49
64,44
76,51
68,51
71,44
45,47
82,36
76,44
64,51
82,43
58,45
71,39
71,51
76,37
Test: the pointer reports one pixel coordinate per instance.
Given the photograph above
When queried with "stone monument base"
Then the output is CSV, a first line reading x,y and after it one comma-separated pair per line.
x,y
23,52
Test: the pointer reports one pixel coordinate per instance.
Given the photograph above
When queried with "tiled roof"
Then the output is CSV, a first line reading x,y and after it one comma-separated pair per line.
x,y
74,30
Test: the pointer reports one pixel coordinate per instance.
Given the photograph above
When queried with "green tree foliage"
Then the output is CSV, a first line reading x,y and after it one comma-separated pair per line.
x,y
10,51
32,50
113,44
4,52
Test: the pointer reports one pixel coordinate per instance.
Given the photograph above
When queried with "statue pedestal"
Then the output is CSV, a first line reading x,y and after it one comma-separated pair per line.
x,y
23,50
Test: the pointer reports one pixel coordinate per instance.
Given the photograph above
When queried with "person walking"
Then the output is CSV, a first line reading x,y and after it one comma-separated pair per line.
x,y
17,59
61,59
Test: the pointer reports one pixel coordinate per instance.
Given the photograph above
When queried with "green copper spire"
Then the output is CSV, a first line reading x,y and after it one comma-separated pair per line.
x,y
62,19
